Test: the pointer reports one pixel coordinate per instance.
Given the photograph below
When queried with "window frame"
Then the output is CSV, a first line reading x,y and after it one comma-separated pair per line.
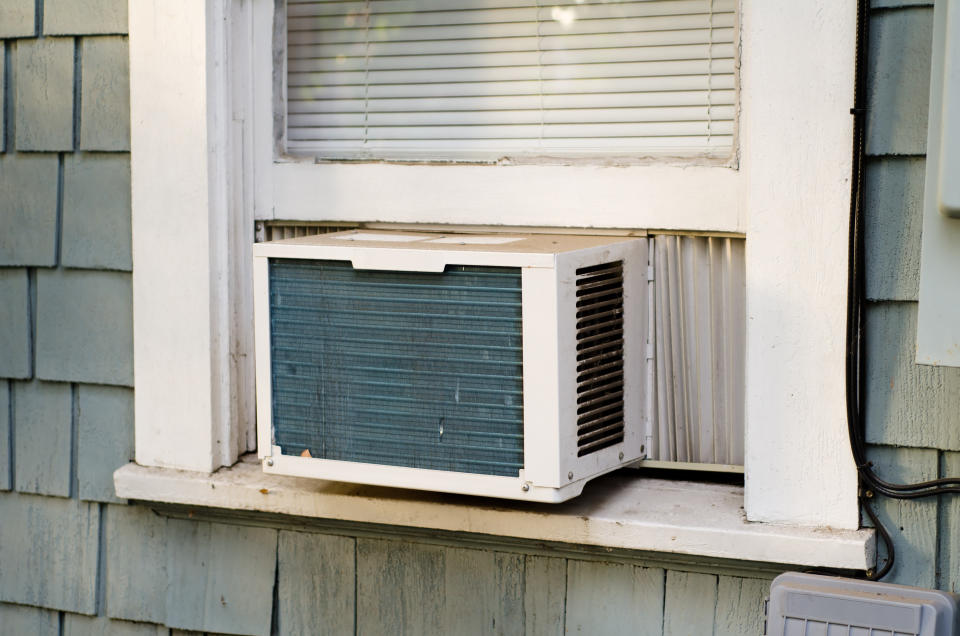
x,y
196,194
565,156
528,192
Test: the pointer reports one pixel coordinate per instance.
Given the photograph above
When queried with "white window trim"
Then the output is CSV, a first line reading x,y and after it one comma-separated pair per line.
x,y
193,144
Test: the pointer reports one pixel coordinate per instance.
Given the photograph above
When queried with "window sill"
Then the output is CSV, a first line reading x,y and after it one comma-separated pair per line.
x,y
616,511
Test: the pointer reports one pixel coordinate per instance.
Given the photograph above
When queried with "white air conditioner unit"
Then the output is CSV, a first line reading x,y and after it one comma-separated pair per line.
x,y
507,365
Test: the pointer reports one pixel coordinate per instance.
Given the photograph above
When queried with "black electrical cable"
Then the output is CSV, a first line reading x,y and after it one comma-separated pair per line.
x,y
870,482
887,542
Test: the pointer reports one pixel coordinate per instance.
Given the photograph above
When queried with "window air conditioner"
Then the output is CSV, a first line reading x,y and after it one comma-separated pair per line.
x,y
505,366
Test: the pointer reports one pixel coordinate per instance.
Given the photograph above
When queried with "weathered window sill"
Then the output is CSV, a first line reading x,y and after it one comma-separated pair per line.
x,y
616,511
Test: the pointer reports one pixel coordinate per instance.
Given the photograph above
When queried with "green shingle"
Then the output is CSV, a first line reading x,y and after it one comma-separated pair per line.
x,y
680,616
3,97
18,18
51,545
220,577
544,594
6,469
15,358
105,99
907,404
316,583
104,438
892,221
740,606
84,17
898,87
614,598
136,586
21,619
79,625
399,584
96,212
949,563
44,90
415,588
42,437
28,209
84,327
893,4
912,523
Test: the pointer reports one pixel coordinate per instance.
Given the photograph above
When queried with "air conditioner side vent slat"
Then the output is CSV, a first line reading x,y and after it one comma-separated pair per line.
x,y
600,382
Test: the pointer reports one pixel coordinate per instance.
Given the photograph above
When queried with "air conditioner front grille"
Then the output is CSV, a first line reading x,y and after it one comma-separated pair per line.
x,y
599,357
414,369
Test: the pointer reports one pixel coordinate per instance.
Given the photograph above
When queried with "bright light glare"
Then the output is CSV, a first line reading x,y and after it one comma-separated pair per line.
x,y
566,17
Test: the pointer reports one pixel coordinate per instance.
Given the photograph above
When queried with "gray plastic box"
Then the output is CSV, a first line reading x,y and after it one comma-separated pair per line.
x,y
813,605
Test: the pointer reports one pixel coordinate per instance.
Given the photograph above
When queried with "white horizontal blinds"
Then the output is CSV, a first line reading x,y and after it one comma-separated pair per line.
x,y
442,78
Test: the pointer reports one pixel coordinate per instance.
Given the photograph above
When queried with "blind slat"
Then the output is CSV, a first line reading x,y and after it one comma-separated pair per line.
x,y
422,76
649,7
515,102
518,131
513,73
501,44
434,12
555,87
515,58
716,145
413,5
508,117
359,33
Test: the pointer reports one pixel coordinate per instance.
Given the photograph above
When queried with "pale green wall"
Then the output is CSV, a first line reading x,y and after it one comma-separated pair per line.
x,y
75,560
913,411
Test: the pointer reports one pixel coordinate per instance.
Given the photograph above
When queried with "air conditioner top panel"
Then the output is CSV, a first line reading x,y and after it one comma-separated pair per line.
x,y
421,251
469,242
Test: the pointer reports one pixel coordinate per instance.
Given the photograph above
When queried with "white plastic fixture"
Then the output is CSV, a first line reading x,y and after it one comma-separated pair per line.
x,y
938,313
554,467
